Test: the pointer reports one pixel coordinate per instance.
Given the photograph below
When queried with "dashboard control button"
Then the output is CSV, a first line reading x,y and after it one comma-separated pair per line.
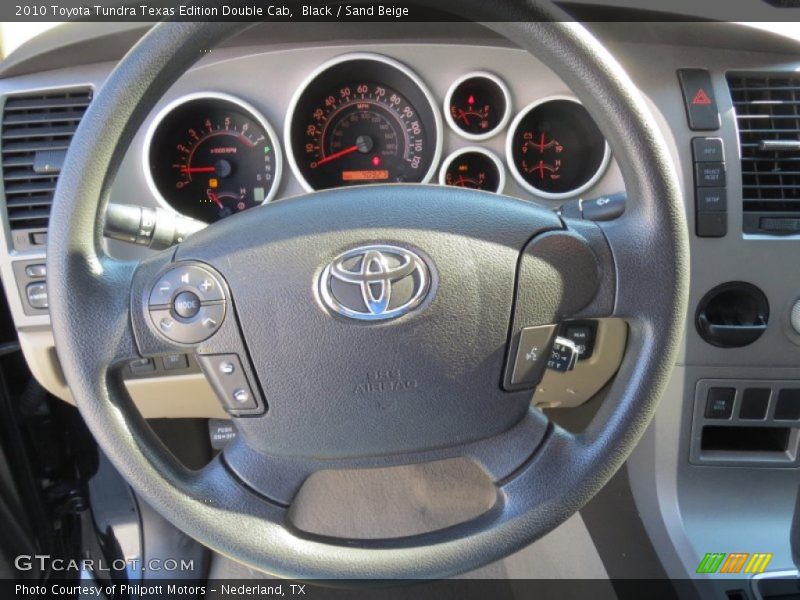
x,y
142,365
707,149
175,361
754,403
37,295
533,352
698,98
39,238
711,199
186,305
712,224
230,384
788,406
36,271
709,174
719,403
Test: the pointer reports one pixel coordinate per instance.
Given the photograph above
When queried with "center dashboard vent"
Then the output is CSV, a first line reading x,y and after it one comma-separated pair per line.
x,y
767,109
36,131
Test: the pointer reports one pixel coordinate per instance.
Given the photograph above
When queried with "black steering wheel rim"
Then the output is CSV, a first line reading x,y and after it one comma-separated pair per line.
x,y
94,329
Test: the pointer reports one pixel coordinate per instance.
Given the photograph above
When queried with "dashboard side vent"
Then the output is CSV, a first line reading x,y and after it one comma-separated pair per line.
x,y
768,117
36,131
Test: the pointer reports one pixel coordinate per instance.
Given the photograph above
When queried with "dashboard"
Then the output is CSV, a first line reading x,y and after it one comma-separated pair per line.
x,y
361,118
261,121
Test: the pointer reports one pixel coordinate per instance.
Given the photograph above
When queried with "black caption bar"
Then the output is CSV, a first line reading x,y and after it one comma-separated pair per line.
x,y
387,11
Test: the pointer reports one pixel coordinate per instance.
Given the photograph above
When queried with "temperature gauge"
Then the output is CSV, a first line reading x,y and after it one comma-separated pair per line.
x,y
477,105
473,168
555,149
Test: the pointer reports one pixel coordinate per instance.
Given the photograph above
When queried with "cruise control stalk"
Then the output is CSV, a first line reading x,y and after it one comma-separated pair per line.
x,y
603,208
156,228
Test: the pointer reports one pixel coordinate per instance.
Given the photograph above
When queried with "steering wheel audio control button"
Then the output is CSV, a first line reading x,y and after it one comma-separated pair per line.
x,y
186,305
186,278
227,377
533,352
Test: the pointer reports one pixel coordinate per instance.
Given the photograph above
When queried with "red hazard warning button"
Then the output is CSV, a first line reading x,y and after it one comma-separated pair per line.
x,y
701,97
698,97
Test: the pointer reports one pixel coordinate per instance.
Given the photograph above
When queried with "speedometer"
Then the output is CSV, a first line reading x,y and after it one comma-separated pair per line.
x,y
361,119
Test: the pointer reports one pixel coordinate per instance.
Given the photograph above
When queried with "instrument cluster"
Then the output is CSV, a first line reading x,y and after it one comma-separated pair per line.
x,y
361,119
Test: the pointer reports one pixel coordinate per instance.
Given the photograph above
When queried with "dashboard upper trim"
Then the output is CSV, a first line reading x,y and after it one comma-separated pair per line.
x,y
181,100
518,176
434,106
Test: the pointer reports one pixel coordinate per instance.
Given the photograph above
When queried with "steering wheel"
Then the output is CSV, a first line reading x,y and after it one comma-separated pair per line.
x,y
470,274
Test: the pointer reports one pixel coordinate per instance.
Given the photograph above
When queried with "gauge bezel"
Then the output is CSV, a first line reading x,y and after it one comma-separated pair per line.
x,y
209,95
512,167
501,124
501,169
353,56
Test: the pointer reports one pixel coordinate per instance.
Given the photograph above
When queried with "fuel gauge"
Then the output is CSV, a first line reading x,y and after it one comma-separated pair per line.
x,y
474,168
477,105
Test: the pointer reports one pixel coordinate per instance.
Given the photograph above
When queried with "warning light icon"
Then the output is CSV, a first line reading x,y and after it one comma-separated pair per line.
x,y
701,98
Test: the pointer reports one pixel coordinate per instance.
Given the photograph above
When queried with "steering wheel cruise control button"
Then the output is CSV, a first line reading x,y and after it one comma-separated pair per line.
x,y
564,355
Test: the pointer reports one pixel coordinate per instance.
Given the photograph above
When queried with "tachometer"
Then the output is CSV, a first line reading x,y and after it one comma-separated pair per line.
x,y
554,148
361,119
211,155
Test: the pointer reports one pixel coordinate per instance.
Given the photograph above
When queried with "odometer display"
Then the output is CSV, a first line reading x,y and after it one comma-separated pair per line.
x,y
363,119
211,155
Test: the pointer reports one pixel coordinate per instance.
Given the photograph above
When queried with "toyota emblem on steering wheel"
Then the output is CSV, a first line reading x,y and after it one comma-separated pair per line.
x,y
372,283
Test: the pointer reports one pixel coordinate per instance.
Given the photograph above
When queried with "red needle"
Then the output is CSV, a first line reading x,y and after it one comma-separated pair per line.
x,y
338,154
214,199
199,169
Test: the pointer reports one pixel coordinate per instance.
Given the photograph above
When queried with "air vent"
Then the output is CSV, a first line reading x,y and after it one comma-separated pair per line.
x,y
768,116
37,129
